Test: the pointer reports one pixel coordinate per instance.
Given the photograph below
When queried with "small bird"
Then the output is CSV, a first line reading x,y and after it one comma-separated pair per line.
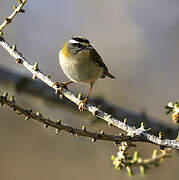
x,y
82,64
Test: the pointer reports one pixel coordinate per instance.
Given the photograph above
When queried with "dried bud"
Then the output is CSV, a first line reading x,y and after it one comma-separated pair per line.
x,y
175,117
12,99
58,122
5,95
83,128
14,7
93,140
27,118
36,66
79,95
19,1
19,61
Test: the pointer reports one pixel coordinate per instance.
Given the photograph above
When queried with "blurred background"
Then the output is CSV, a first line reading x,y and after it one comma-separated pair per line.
x,y
138,41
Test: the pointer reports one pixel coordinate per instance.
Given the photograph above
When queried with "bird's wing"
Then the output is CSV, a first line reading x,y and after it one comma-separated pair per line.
x,y
98,60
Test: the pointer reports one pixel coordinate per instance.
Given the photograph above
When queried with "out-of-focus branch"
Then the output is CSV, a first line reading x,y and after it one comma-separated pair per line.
x,y
59,126
124,160
16,10
132,131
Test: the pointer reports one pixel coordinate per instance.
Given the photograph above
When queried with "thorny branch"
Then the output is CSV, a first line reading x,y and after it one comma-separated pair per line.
x,y
16,10
59,126
132,131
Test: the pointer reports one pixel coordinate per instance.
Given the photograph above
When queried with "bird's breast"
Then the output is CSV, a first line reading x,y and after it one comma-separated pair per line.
x,y
80,70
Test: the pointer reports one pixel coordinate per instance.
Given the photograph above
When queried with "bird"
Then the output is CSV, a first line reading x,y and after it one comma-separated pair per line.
x,y
81,63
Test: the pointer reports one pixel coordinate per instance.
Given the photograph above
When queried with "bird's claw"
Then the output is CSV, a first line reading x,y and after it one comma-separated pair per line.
x,y
61,84
82,105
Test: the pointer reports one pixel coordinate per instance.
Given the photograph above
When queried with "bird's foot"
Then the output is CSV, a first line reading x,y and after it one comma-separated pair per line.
x,y
82,105
62,85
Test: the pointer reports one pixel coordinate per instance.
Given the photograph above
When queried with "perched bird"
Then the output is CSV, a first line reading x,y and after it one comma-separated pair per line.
x,y
81,63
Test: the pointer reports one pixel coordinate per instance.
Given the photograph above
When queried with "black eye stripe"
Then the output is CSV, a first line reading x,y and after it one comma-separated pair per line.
x,y
78,39
77,45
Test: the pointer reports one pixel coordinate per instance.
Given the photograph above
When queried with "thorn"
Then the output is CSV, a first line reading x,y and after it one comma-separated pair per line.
x,y
36,66
14,7
95,113
8,20
12,99
116,143
142,170
129,170
125,120
38,113
100,107
72,132
161,135
83,128
136,156
170,105
102,132
154,154
27,118
14,108
18,112
22,10
109,124
142,125
79,95
45,126
93,140
58,122
14,48
29,111
34,76
61,96
19,1
57,91
5,95
19,61
1,34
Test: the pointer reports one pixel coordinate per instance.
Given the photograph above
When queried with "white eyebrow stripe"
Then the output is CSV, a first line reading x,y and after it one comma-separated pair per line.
x,y
72,41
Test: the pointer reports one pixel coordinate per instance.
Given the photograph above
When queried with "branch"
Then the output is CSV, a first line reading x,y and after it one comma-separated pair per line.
x,y
13,80
124,160
16,10
132,131
59,126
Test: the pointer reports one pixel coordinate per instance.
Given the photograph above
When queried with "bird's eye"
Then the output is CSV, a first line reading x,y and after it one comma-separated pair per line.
x,y
78,45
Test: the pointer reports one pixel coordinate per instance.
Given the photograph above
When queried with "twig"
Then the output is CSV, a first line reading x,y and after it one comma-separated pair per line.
x,y
16,10
124,160
152,161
